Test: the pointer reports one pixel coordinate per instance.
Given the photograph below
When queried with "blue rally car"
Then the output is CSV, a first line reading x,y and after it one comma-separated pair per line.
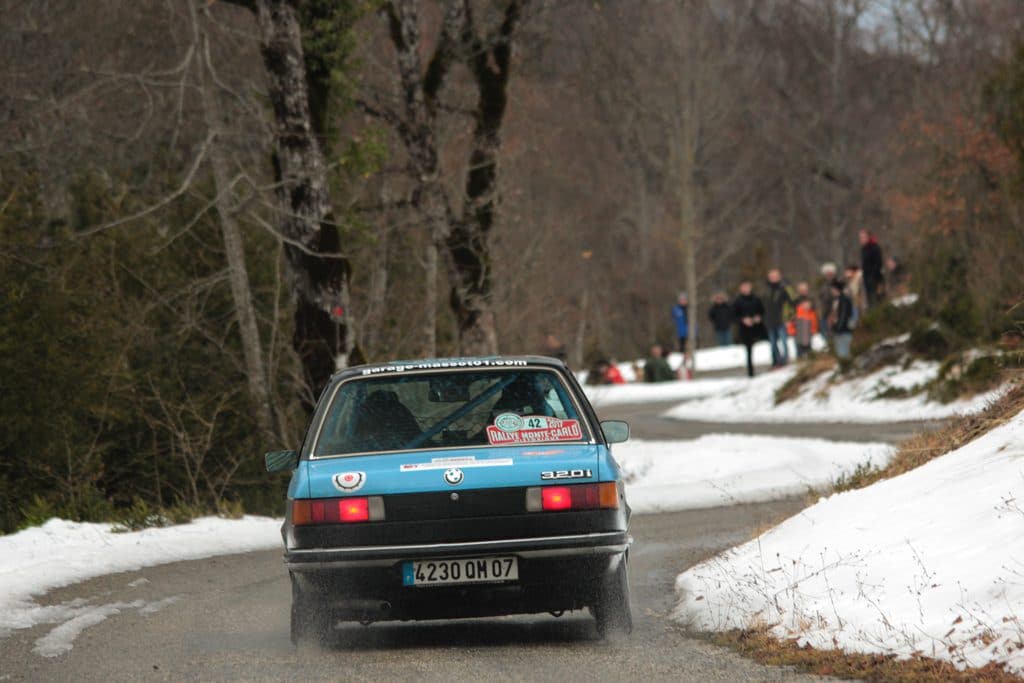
x,y
465,487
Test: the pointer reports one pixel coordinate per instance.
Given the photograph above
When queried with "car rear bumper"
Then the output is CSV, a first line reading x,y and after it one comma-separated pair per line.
x,y
556,574
573,545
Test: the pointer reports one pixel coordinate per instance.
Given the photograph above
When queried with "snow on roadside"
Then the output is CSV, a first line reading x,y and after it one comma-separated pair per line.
x,y
708,360
60,553
930,562
715,359
687,390
727,469
854,400
735,356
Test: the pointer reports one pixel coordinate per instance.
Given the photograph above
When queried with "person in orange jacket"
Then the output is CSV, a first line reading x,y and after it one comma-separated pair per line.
x,y
803,326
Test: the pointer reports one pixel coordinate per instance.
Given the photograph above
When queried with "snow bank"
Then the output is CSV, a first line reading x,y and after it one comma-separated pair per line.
x,y
686,390
716,359
930,562
735,356
726,469
708,360
855,400
60,553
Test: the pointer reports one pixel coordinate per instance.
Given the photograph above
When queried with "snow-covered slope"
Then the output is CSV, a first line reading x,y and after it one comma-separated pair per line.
x,y
929,562
716,359
605,395
727,469
852,400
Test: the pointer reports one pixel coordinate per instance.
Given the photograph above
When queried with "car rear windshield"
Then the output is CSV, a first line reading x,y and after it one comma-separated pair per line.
x,y
449,410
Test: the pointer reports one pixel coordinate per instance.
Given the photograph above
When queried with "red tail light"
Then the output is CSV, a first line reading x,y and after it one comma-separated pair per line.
x,y
354,510
556,498
337,510
575,497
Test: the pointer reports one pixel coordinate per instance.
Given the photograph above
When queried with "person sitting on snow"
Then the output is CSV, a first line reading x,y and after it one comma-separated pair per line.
x,y
656,368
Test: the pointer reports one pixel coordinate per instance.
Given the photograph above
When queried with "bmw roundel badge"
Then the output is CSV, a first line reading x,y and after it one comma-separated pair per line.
x,y
453,476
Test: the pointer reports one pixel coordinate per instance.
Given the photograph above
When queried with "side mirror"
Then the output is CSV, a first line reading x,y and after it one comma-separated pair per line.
x,y
615,431
281,461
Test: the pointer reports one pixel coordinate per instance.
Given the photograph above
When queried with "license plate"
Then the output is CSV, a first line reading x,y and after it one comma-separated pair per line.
x,y
474,570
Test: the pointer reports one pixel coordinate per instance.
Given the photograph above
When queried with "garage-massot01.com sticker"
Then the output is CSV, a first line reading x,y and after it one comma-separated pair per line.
x,y
461,462
509,428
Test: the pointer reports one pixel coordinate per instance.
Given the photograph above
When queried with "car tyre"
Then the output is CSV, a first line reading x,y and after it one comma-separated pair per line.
x,y
310,622
612,612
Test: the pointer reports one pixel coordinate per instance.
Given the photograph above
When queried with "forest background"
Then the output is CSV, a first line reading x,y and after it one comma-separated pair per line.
x,y
207,206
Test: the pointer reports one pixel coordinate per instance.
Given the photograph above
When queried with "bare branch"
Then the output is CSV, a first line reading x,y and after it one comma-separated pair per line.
x,y
182,189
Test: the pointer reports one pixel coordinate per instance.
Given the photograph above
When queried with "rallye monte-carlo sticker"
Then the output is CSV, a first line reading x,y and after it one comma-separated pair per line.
x,y
509,428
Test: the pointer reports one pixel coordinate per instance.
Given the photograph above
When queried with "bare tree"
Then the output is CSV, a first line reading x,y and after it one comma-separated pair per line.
x,y
460,229
238,275
319,270
677,101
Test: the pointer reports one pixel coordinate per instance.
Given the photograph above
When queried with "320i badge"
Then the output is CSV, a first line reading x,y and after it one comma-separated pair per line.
x,y
419,492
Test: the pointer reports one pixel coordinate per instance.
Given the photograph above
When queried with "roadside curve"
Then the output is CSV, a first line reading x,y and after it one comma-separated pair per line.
x,y
226,618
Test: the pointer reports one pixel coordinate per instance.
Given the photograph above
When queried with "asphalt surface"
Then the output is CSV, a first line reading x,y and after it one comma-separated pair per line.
x,y
226,618
645,422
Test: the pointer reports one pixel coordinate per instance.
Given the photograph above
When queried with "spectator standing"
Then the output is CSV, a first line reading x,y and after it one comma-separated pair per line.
x,y
748,311
897,277
803,326
871,265
656,368
803,293
828,276
839,320
681,317
555,348
854,290
720,315
775,308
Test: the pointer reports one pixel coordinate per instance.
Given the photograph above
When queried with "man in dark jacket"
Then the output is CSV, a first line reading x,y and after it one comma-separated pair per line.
x,y
776,305
871,265
839,320
748,312
720,315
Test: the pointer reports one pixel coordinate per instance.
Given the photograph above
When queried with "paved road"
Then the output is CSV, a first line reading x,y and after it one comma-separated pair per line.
x,y
645,422
229,622
226,618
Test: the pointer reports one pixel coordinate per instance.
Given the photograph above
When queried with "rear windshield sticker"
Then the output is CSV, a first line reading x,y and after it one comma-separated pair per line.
x,y
461,462
536,429
508,422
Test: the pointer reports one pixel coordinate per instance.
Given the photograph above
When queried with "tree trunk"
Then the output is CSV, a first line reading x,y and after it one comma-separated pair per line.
x,y
579,344
692,230
468,240
319,273
690,234
373,315
234,250
690,272
430,301
464,239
